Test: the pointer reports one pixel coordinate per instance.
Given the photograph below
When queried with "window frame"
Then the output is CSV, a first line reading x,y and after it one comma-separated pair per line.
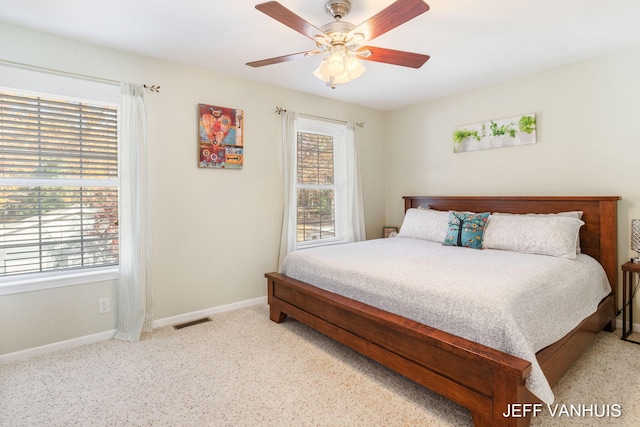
x,y
337,130
31,82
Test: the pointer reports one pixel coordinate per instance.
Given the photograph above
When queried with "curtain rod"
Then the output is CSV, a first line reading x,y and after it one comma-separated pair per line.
x,y
282,110
152,88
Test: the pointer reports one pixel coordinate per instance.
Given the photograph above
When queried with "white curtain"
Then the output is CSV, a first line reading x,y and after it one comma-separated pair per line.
x,y
134,314
289,168
355,210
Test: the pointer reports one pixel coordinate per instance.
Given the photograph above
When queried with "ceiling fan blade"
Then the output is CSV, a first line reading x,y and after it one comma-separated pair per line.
x,y
395,57
280,59
288,18
389,18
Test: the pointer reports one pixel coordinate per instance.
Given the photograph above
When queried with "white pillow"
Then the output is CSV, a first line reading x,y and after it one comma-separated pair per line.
x,y
571,214
425,224
553,235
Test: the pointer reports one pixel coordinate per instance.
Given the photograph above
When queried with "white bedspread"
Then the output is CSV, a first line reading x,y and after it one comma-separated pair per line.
x,y
513,302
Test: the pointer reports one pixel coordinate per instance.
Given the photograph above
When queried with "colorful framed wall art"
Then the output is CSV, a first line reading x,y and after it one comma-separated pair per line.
x,y
220,137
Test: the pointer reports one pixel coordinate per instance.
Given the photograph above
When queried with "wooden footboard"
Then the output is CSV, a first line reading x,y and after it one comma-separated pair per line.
x,y
482,379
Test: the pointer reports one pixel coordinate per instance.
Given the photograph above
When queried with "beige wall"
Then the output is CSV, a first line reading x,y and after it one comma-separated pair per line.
x,y
588,140
215,232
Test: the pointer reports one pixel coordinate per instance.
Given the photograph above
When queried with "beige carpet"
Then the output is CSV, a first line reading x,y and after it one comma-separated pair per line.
x,y
241,369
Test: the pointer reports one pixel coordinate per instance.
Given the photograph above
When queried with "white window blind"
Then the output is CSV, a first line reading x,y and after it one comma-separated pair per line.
x,y
58,183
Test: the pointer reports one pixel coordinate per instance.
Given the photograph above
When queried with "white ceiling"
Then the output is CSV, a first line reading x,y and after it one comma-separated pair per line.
x,y
472,43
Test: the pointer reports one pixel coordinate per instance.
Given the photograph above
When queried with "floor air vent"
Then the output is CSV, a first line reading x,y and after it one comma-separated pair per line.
x,y
193,322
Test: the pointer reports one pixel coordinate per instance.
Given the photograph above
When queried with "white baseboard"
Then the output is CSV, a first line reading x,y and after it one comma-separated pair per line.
x,y
187,317
107,335
182,318
636,326
60,345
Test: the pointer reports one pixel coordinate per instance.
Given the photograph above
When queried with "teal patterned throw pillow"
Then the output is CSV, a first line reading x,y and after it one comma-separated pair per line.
x,y
466,229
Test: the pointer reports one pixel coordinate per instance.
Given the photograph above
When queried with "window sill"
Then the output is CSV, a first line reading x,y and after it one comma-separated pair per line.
x,y
41,281
316,243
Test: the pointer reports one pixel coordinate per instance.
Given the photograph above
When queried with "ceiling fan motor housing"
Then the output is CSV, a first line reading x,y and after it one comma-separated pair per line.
x,y
337,28
337,9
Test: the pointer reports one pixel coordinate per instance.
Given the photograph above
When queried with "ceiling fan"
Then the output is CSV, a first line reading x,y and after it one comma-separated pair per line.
x,y
342,41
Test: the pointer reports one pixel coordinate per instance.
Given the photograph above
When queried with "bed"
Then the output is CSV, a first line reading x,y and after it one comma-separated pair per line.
x,y
481,378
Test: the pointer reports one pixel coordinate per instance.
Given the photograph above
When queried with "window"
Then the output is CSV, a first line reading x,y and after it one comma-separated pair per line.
x,y
320,213
322,192
58,183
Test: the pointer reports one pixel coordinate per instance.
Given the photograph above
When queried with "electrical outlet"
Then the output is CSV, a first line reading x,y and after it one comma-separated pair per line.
x,y
103,305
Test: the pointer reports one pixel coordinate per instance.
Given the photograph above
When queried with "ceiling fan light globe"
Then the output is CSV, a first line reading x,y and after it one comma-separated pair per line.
x,y
344,78
322,72
336,62
354,68
336,68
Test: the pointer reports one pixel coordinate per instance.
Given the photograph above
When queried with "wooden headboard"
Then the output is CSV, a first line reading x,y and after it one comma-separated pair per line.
x,y
598,237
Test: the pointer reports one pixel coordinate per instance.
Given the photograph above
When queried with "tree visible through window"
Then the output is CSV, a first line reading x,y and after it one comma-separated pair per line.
x,y
58,184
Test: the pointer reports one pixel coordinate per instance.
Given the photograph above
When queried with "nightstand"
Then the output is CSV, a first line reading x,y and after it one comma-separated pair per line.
x,y
630,277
